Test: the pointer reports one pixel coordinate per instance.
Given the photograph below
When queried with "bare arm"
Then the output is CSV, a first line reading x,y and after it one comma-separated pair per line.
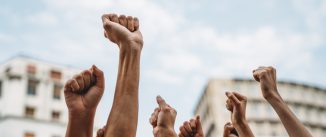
x,y
267,78
236,104
124,32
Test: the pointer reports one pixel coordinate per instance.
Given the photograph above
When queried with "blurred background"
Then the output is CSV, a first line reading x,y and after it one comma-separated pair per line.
x,y
194,51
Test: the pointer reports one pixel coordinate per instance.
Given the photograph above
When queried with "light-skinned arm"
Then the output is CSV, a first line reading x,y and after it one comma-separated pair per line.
x,y
124,31
236,104
266,76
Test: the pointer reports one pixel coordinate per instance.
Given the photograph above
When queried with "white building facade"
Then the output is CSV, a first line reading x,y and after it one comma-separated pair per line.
x,y
307,102
31,98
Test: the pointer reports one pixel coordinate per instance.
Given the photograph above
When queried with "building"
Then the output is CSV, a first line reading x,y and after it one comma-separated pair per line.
x,y
307,102
31,98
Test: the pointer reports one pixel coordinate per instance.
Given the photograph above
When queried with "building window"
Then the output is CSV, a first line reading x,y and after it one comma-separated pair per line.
x,y
29,134
0,88
31,69
55,115
57,91
29,112
55,74
32,86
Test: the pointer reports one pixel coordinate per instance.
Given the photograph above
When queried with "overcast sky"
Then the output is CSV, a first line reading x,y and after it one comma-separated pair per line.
x,y
187,43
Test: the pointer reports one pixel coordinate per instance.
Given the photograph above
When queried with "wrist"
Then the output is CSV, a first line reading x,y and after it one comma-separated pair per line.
x,y
164,132
131,46
81,115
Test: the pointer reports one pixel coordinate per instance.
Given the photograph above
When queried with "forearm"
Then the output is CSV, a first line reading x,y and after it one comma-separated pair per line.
x,y
291,123
243,129
80,124
124,113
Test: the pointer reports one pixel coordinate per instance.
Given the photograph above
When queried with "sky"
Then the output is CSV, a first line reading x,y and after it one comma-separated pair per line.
x,y
187,43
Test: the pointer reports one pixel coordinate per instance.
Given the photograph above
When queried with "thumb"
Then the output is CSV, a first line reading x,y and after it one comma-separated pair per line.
x,y
107,24
99,76
161,102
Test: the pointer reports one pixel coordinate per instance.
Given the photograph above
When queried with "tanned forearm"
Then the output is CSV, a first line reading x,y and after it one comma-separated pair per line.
x,y
243,129
82,121
124,113
291,123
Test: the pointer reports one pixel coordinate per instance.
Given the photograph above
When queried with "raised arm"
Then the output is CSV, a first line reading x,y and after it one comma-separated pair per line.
x,y
236,104
267,78
82,95
124,31
162,119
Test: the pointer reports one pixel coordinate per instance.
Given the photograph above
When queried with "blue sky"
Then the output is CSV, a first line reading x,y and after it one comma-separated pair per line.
x,y
187,42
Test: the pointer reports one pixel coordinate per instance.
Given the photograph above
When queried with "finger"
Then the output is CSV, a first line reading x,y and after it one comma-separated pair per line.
x,y
67,88
233,98
192,123
105,35
239,96
107,24
100,133
229,105
198,125
105,17
256,76
161,102
136,23
99,77
75,86
80,81
130,23
183,131
114,18
186,125
123,21
87,78
180,135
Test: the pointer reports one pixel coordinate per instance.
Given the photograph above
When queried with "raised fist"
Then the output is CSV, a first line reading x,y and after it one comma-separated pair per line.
x,y
84,91
229,131
122,30
267,78
191,128
236,104
163,119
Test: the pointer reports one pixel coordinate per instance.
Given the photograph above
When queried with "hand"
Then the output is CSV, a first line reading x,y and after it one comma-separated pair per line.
x,y
163,119
191,128
122,30
101,132
236,104
267,78
84,91
229,130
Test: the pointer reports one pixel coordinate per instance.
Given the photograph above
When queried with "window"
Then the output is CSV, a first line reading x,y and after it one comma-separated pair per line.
x,y
57,91
29,112
55,115
31,69
0,88
55,74
29,134
32,86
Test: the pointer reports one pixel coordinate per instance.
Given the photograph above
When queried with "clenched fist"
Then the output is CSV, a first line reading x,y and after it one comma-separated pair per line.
x,y
236,104
163,119
229,130
122,30
191,128
84,91
267,78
